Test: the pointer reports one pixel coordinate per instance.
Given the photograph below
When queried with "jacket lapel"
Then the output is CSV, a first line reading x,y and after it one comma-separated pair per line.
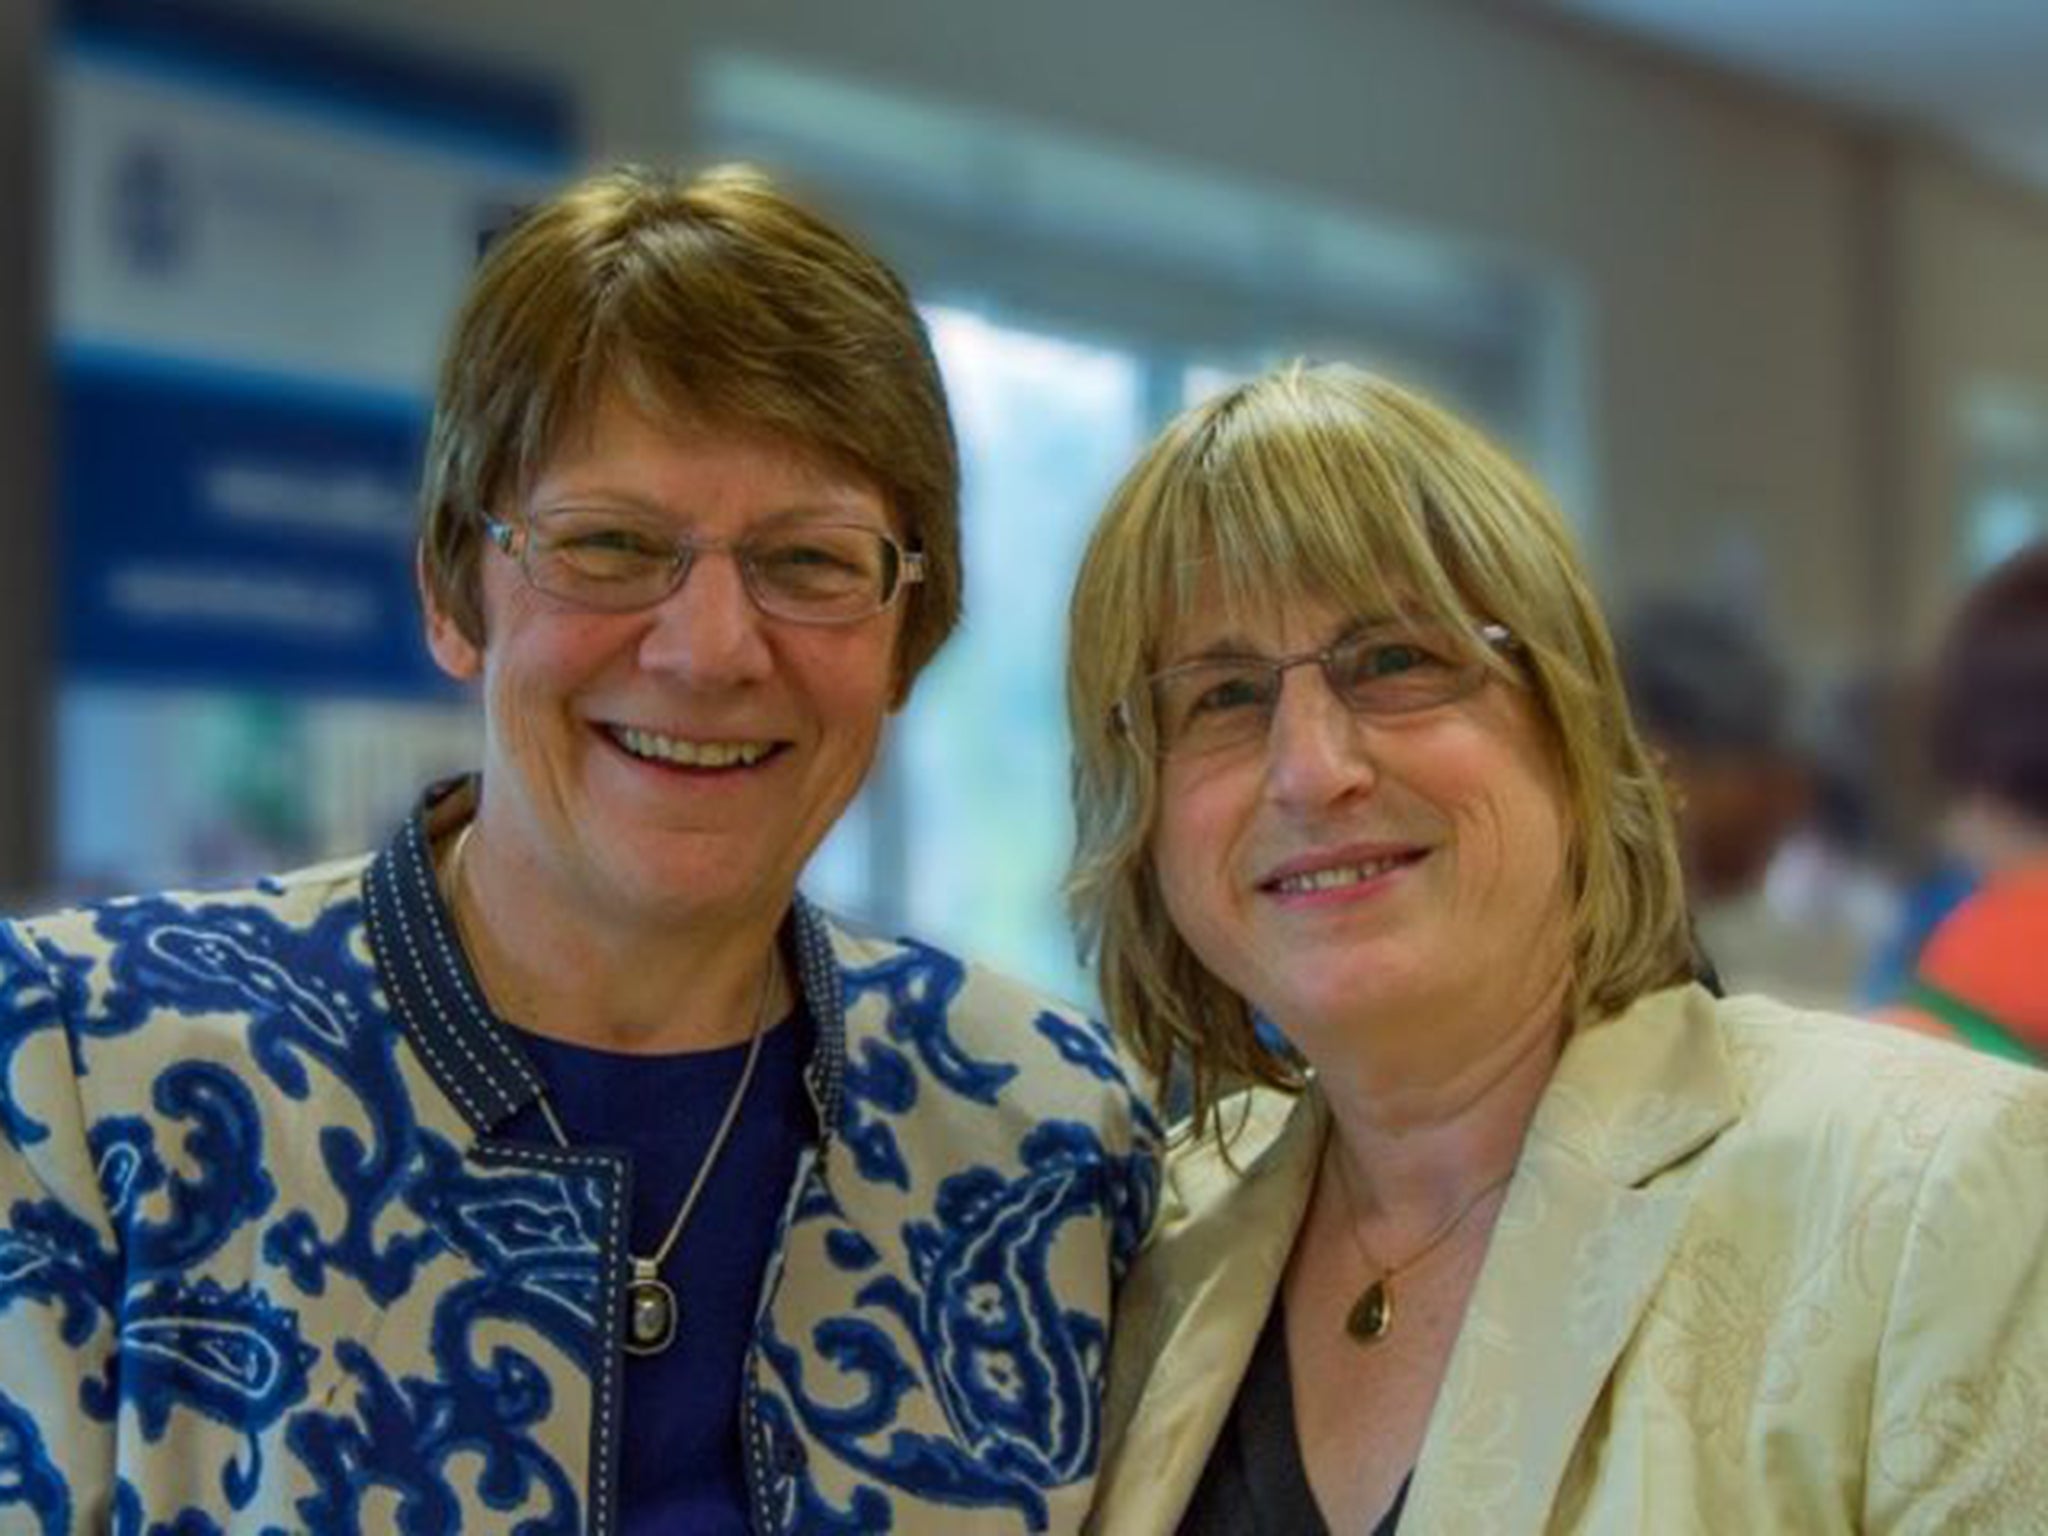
x,y
1579,1249
1189,1324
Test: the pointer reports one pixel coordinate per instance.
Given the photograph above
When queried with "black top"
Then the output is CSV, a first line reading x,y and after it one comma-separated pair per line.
x,y
1255,1484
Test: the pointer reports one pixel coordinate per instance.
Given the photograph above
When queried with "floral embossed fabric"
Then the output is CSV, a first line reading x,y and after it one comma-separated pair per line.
x,y
1758,1270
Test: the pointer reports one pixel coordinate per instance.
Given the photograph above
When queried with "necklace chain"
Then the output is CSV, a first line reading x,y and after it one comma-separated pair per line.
x,y
1371,1317
651,1311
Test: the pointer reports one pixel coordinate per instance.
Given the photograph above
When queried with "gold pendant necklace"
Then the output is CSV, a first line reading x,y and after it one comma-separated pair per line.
x,y
1371,1317
653,1315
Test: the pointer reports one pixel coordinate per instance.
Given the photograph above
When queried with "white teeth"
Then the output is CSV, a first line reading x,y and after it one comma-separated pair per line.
x,y
690,754
1338,875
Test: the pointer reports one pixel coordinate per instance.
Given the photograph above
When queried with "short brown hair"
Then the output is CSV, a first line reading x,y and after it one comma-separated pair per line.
x,y
1327,483
718,299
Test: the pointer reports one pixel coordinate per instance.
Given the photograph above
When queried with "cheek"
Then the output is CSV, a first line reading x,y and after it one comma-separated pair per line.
x,y
851,694
539,668
1187,851
854,674
536,647
1531,833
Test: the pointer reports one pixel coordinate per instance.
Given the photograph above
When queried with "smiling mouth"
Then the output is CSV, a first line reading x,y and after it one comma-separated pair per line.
x,y
675,751
1338,876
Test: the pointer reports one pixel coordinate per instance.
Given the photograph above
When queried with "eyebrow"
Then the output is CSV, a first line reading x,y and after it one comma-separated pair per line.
x,y
630,505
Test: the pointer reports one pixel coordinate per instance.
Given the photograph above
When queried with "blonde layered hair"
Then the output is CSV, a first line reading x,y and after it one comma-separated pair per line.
x,y
1326,483
716,300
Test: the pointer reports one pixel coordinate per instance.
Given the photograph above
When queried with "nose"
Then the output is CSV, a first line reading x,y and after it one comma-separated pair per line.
x,y
708,631
1316,751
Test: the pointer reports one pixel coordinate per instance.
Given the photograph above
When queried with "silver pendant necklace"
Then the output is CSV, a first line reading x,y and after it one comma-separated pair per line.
x,y
653,1315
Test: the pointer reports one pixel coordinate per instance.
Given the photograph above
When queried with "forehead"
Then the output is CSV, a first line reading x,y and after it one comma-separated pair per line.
x,y
688,463
1215,616
1239,551
1219,610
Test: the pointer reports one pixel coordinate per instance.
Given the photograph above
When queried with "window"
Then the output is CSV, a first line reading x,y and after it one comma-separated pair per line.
x,y
1077,299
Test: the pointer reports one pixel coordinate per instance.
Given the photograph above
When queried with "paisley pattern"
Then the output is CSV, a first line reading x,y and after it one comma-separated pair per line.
x,y
230,1355
128,1518
535,1240
32,1486
399,1435
36,993
256,1193
1016,1370
917,988
224,1143
304,993
51,1256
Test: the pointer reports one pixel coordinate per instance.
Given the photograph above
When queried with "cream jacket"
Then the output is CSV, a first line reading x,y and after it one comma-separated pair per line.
x,y
1758,1271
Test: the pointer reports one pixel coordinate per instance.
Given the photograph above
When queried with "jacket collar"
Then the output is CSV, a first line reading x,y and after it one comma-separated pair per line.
x,y
472,1056
1641,1091
1582,1242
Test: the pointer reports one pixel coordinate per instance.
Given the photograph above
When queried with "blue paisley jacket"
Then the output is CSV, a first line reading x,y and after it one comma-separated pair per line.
x,y
267,1266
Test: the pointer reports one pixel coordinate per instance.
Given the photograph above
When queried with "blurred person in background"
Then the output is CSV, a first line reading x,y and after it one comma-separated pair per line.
x,y
1767,892
1535,1233
560,1168
1977,969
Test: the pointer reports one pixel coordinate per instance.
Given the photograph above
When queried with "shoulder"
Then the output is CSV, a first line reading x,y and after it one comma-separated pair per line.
x,y
948,1073
1257,1134
105,969
299,898
1682,1065
1848,1137
1787,1131
102,1005
909,967
1239,1187
977,1028
1875,1081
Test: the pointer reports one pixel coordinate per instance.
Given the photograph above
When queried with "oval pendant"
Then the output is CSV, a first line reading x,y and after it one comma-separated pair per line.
x,y
650,1312
1372,1315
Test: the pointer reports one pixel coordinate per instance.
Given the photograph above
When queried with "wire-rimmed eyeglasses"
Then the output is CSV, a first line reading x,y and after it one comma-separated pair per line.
x,y
611,561
1219,703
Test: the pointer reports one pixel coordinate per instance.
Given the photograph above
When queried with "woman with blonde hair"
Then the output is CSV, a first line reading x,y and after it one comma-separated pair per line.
x,y
1488,1217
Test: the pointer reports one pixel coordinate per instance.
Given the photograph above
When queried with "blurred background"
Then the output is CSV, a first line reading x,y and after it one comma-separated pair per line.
x,y
1759,288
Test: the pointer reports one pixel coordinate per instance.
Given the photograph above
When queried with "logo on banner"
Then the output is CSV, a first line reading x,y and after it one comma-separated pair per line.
x,y
151,209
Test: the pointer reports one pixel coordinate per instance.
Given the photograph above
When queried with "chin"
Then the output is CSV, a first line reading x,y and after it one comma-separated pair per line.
x,y
1350,1000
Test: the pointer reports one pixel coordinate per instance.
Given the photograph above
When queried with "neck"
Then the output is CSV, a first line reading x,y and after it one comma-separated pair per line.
x,y
640,987
1420,1130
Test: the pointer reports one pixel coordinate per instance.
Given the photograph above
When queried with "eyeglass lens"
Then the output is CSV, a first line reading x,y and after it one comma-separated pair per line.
x,y
818,572
1209,705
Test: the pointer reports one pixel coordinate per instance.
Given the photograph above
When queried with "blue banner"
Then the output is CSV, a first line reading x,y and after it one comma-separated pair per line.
x,y
213,533
260,232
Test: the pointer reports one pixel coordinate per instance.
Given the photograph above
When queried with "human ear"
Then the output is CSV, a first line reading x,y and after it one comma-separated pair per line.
x,y
460,657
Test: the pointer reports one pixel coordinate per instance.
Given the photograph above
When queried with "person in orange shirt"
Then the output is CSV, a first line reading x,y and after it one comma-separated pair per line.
x,y
1980,977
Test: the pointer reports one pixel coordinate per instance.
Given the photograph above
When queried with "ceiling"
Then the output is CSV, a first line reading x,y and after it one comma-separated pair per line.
x,y
1973,72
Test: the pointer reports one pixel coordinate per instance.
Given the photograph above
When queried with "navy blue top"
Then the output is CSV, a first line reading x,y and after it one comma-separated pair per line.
x,y
680,1466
